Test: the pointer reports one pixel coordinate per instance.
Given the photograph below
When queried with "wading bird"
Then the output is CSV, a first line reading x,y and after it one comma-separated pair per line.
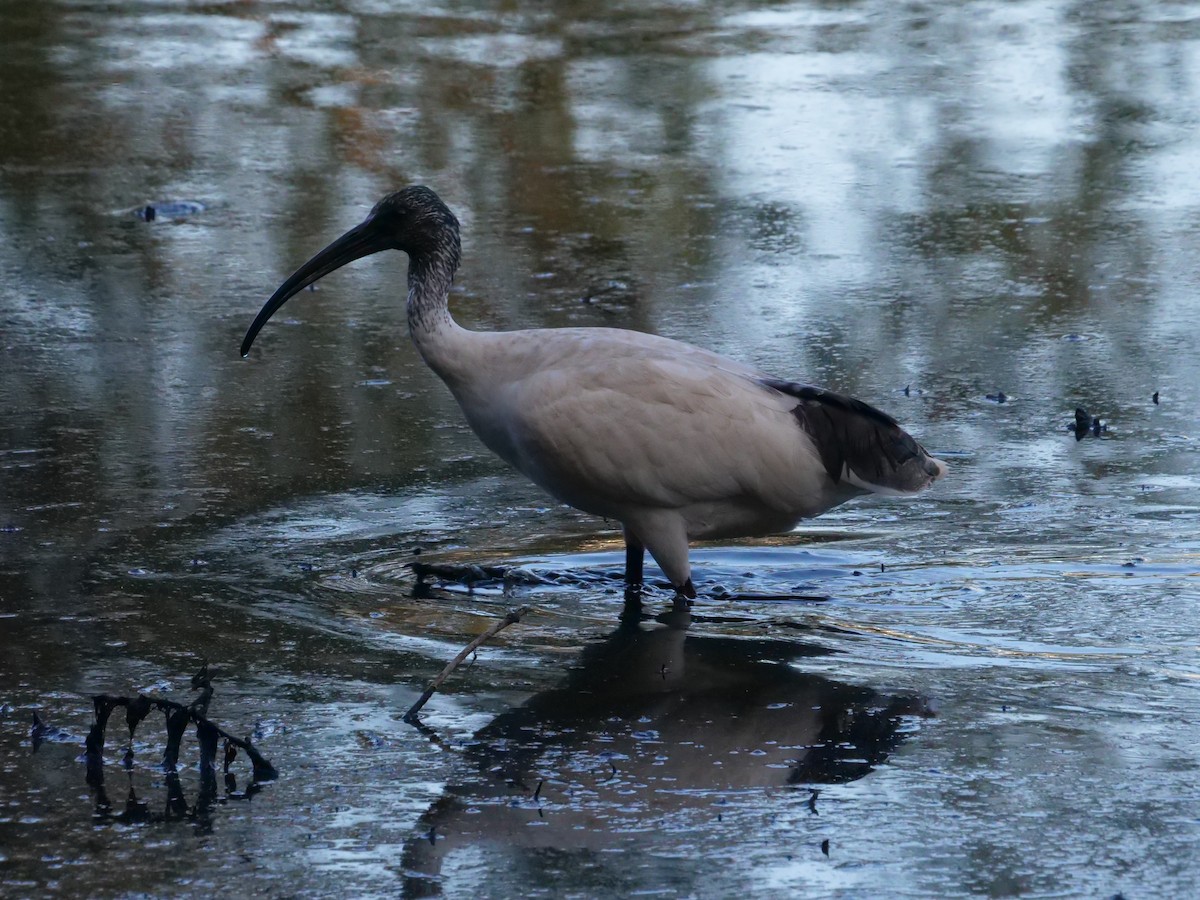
x,y
674,442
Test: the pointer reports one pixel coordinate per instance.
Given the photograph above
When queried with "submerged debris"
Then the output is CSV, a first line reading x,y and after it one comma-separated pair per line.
x,y
468,575
1085,422
178,717
41,732
471,576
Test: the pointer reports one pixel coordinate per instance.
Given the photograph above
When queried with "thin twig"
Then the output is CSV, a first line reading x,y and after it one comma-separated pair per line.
x,y
513,616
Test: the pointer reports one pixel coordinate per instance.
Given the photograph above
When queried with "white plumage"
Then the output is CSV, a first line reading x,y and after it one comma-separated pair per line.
x,y
673,441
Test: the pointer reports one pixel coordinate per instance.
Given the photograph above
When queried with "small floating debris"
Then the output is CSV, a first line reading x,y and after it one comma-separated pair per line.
x,y
998,397
1085,422
40,732
612,296
168,209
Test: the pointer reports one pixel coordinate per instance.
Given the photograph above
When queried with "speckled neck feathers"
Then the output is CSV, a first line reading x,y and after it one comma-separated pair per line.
x,y
431,267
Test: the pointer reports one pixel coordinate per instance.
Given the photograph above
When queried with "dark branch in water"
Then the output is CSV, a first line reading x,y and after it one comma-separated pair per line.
x,y
471,575
514,616
177,722
179,717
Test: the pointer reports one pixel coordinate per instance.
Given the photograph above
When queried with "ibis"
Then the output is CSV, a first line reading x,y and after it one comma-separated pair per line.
x,y
674,442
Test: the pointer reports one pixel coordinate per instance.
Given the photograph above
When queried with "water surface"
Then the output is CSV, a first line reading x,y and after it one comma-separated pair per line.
x,y
988,690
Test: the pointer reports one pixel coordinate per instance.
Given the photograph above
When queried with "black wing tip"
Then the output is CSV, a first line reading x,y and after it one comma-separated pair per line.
x,y
850,434
820,395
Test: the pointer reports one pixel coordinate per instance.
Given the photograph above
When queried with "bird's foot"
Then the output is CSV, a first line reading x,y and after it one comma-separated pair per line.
x,y
685,591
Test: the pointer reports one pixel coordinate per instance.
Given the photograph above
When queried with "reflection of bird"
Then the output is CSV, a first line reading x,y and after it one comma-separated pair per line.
x,y
654,731
672,441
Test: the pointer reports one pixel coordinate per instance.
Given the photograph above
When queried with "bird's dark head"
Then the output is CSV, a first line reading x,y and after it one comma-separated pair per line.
x,y
413,219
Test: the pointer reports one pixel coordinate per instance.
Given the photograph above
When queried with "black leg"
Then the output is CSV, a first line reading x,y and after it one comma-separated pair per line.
x,y
635,557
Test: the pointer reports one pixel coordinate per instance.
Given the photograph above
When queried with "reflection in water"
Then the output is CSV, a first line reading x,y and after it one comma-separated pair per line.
x,y
176,807
652,732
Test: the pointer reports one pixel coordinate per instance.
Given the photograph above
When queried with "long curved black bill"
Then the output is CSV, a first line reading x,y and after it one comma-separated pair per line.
x,y
361,240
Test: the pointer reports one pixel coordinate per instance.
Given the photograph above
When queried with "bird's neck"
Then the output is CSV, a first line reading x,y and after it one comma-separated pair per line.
x,y
437,336
430,274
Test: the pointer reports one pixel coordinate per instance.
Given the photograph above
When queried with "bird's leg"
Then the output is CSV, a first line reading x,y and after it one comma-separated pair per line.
x,y
664,534
686,594
635,557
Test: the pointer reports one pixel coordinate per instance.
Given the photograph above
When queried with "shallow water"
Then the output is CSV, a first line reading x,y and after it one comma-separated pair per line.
x,y
988,690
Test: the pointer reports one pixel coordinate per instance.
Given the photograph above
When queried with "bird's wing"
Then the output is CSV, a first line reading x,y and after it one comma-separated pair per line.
x,y
619,425
612,421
